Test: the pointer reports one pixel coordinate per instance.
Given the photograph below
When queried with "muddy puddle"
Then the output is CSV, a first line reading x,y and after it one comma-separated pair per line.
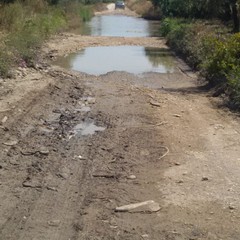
x,y
132,59
120,26
86,128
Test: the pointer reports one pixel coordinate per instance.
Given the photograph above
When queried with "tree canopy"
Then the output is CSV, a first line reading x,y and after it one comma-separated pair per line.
x,y
223,9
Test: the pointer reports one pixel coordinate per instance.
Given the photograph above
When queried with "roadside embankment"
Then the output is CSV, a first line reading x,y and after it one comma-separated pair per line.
x,y
210,48
26,25
144,8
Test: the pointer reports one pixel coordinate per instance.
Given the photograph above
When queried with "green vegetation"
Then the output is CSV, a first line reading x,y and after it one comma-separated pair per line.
x,y
210,48
26,24
225,10
206,34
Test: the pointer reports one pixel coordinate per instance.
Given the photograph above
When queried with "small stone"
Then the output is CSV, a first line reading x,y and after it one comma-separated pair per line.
x,y
54,223
81,157
44,151
31,184
144,207
144,152
177,115
91,100
219,126
4,119
154,103
52,189
145,236
11,143
231,207
131,177
180,181
14,162
177,164
63,175
205,178
113,227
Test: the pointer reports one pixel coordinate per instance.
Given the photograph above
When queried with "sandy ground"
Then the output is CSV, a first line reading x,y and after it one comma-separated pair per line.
x,y
163,138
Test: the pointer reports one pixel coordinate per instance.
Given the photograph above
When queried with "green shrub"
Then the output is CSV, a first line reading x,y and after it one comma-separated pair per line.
x,y
49,23
77,13
29,25
85,13
180,36
5,62
234,87
12,17
169,25
24,45
222,58
211,50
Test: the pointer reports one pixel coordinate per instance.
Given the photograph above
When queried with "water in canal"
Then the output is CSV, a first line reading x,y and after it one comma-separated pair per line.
x,y
132,59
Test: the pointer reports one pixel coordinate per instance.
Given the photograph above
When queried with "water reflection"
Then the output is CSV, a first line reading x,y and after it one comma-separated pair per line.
x,y
160,56
120,26
132,59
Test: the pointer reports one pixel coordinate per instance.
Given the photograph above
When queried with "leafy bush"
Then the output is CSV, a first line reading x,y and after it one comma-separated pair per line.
x,y
214,52
26,26
181,36
222,58
234,87
12,17
24,45
76,13
5,62
28,23
169,25
85,13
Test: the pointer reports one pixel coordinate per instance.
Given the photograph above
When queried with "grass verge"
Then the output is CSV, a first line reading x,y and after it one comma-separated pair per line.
x,y
27,24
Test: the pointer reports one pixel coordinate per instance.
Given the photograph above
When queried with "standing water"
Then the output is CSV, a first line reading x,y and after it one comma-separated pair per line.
x,y
120,26
132,59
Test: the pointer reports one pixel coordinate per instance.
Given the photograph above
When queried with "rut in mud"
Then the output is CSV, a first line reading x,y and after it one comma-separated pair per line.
x,y
74,147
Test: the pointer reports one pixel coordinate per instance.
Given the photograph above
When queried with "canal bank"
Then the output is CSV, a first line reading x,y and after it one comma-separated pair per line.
x,y
152,137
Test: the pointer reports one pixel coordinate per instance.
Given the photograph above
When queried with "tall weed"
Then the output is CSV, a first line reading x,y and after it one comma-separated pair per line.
x,y
77,13
85,13
12,17
28,24
5,62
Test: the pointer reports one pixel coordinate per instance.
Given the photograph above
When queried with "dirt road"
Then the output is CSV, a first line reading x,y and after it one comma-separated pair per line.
x,y
157,137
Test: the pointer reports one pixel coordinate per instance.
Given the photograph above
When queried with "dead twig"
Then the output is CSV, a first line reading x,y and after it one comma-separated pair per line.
x,y
161,123
184,72
28,153
5,110
151,96
42,152
104,175
166,153
157,124
155,103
